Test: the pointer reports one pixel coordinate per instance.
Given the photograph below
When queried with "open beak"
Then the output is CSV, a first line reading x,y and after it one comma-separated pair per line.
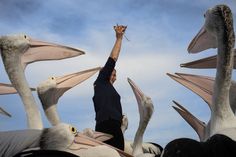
x,y
202,41
40,51
67,82
194,122
198,85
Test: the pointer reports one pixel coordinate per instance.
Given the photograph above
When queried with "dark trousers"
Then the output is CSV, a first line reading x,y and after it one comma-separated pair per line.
x,y
112,127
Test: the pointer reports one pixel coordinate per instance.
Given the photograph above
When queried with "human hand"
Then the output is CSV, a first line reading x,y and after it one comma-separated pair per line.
x,y
120,30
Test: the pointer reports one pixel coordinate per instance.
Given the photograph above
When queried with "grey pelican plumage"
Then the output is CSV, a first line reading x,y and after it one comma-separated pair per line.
x,y
19,50
218,32
63,137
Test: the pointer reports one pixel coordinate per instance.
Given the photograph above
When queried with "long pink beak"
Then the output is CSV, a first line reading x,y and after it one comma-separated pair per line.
x,y
194,122
41,51
200,86
205,63
66,82
9,89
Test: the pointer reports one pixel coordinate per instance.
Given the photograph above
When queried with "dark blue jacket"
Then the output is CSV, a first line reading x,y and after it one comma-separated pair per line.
x,y
106,99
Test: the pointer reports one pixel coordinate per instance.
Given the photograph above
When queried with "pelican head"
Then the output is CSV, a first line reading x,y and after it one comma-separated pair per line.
x,y
31,50
58,137
145,103
20,42
146,108
53,88
218,21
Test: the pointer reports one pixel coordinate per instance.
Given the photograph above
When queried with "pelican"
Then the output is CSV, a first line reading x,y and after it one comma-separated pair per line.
x,y
59,135
148,147
66,138
205,63
19,50
49,93
63,137
53,88
218,32
146,108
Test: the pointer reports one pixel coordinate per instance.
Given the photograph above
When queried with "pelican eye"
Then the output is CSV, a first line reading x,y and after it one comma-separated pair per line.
x,y
53,78
25,36
73,130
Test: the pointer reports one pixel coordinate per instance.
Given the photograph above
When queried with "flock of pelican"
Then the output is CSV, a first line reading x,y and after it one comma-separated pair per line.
x,y
220,131
218,135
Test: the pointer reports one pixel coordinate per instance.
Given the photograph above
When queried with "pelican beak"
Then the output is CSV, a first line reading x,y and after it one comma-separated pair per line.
x,y
40,51
9,89
101,136
198,85
67,82
96,135
83,142
194,122
202,41
204,63
137,92
2,111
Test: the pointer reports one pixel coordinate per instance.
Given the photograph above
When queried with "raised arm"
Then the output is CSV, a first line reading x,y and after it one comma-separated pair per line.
x,y
120,30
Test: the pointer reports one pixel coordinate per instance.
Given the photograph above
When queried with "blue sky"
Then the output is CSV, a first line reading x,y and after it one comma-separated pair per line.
x,y
159,32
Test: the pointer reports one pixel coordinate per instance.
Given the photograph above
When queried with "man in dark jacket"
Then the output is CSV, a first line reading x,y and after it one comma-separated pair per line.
x,y
106,99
